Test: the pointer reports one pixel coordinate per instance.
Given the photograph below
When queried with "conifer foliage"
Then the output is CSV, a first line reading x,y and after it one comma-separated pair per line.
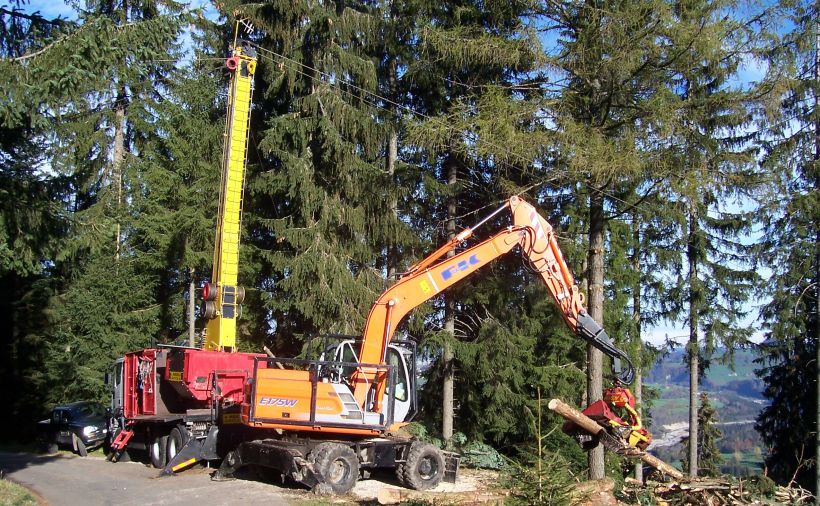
x,y
709,459
790,248
378,130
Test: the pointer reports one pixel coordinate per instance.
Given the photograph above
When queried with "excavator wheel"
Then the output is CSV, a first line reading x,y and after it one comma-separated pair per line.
x,y
423,468
336,467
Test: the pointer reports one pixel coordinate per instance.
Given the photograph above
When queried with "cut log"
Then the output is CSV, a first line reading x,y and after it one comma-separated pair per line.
x,y
609,441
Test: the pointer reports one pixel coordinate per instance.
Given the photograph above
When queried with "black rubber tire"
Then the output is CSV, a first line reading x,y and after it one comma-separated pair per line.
x,y
336,466
176,440
423,468
157,451
82,451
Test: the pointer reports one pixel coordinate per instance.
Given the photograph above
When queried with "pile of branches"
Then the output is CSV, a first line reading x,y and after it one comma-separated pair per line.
x,y
758,490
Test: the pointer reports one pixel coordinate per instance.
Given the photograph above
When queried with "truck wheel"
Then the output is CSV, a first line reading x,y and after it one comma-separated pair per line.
x,y
423,468
158,451
336,466
176,440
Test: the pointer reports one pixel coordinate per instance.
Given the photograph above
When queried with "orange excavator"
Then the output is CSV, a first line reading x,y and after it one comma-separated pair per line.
x,y
361,391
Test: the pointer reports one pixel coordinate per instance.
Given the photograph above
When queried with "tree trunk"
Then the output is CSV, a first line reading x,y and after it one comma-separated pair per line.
x,y
817,257
116,162
119,147
449,316
596,311
636,320
693,346
392,157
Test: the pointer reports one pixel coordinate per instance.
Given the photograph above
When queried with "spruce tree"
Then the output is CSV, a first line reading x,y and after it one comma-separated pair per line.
x,y
713,157
481,140
31,220
790,248
178,171
709,459
98,89
317,198
614,59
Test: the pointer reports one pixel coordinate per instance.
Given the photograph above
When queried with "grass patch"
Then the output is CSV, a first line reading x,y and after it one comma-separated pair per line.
x,y
12,494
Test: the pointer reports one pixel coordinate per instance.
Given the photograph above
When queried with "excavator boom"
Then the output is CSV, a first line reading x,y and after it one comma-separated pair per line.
x,y
535,238
432,275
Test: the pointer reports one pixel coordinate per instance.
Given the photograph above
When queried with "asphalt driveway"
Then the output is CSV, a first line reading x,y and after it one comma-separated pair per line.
x,y
68,480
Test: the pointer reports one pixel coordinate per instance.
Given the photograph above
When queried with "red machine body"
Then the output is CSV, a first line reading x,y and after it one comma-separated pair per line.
x,y
169,381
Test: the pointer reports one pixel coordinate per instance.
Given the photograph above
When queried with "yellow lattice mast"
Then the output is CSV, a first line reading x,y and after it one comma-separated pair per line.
x,y
222,295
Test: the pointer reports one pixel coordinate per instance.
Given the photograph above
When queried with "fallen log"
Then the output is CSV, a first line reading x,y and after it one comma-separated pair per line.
x,y
610,442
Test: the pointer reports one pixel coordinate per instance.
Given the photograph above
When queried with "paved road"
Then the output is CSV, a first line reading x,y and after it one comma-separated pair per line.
x,y
68,480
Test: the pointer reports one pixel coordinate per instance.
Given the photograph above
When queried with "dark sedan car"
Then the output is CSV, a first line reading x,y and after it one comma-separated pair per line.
x,y
80,426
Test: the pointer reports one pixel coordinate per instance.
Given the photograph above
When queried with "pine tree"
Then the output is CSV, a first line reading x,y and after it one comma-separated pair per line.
x,y
709,459
612,111
713,158
98,88
791,249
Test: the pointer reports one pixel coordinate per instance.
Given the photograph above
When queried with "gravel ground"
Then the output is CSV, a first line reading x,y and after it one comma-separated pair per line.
x,y
469,480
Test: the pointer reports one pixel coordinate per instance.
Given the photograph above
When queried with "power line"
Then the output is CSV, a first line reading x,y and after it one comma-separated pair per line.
x,y
334,82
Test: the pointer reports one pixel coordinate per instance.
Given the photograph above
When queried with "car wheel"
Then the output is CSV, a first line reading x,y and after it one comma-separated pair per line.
x,y
51,448
423,468
176,440
158,452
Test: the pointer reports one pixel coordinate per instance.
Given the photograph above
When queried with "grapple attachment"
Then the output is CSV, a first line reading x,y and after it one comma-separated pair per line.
x,y
617,415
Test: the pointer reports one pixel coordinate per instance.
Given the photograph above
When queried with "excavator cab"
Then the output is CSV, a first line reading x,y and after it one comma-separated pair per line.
x,y
401,355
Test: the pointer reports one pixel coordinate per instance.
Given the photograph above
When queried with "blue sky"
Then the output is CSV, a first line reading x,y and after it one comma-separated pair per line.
x,y
55,8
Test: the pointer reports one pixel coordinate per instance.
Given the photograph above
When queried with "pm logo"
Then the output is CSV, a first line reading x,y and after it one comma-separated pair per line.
x,y
461,266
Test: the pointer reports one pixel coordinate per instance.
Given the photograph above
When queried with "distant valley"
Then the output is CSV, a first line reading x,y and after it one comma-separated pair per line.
x,y
735,393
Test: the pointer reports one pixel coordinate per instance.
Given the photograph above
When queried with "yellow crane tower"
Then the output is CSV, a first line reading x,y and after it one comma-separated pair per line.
x,y
222,296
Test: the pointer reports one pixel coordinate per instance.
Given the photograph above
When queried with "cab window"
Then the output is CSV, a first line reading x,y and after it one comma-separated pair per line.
x,y
393,358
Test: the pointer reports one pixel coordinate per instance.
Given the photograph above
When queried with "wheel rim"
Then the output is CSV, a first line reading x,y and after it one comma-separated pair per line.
x,y
428,468
339,470
155,450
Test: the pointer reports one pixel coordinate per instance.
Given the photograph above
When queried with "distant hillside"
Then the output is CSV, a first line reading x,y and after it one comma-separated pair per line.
x,y
734,392
672,370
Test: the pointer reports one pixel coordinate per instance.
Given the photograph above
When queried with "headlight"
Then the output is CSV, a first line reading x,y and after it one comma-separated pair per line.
x,y
88,430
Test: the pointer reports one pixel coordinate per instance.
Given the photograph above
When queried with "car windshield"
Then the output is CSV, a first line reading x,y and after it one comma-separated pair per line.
x,y
85,410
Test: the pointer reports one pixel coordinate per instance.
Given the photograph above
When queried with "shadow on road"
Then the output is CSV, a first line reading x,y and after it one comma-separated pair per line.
x,y
14,461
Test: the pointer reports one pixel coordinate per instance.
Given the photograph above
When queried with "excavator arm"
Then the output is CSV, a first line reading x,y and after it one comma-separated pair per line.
x,y
435,273
432,275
